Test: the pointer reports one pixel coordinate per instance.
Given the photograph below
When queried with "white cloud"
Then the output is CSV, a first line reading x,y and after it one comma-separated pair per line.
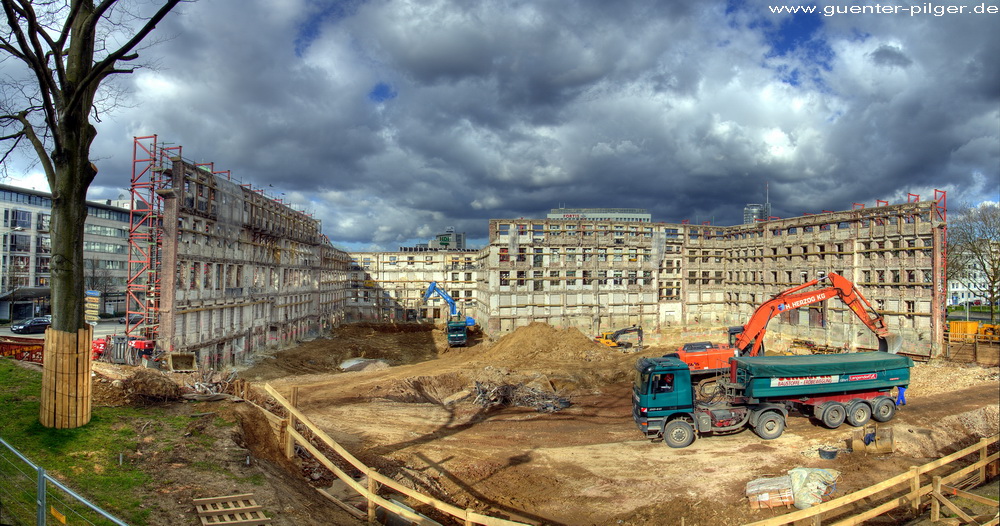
x,y
492,110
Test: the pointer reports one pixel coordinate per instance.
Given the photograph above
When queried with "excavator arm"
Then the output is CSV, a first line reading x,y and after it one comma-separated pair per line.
x,y
452,305
749,338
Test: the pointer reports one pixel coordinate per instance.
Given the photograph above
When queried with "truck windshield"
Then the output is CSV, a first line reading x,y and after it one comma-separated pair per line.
x,y
640,381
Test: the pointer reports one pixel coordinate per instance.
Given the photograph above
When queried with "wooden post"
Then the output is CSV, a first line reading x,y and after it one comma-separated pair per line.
x,y
290,443
284,437
915,488
982,458
935,503
371,501
468,513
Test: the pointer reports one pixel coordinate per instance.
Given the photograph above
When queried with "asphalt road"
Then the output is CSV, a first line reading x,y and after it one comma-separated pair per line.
x,y
104,328
972,316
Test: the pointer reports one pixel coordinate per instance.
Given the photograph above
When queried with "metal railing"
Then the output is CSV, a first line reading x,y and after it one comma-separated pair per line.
x,y
29,495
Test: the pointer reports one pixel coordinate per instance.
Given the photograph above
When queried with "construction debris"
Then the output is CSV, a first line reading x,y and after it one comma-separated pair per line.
x,y
150,385
489,394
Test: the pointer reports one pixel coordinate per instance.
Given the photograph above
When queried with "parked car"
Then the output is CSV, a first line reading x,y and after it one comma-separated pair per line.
x,y
132,319
31,325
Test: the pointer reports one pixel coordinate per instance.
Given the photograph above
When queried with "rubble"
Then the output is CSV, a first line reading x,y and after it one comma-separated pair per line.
x,y
507,395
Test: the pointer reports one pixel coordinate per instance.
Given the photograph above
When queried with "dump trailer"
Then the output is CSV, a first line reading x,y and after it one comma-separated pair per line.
x,y
759,392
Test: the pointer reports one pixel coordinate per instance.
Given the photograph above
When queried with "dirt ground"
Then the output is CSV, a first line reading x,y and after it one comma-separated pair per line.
x,y
415,417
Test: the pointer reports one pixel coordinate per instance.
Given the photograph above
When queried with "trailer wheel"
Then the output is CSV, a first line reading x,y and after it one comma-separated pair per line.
x,y
678,433
833,415
858,413
884,409
770,425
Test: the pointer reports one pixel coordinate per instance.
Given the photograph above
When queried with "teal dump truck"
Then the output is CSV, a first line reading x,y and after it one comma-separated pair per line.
x,y
759,392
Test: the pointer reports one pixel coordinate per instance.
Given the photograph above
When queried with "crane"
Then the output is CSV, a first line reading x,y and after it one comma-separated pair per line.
x,y
457,325
749,339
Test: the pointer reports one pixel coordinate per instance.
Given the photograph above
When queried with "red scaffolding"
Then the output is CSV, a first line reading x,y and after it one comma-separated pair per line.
x,y
142,292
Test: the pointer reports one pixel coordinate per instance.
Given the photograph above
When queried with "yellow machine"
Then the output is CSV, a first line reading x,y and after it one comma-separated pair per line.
x,y
973,330
613,338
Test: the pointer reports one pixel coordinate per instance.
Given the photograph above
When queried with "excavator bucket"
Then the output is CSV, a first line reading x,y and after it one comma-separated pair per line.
x,y
890,344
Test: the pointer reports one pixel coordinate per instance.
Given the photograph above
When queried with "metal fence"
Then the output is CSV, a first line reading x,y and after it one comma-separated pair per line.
x,y
30,496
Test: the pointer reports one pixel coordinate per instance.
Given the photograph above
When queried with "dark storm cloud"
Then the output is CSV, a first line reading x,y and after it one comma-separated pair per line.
x,y
887,55
392,120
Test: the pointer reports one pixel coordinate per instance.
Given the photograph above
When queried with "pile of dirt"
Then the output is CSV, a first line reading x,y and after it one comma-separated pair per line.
x,y
151,386
566,357
397,344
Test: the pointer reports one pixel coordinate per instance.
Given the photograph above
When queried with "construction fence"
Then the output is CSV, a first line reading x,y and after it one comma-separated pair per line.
x,y
28,495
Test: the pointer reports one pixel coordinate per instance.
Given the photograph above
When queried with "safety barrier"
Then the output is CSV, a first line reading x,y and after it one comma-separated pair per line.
x,y
289,437
907,489
982,349
29,495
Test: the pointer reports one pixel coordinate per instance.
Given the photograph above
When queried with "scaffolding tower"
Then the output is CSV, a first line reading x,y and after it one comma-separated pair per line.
x,y
142,292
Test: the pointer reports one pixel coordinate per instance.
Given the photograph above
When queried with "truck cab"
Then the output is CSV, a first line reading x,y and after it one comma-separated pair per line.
x,y
458,333
661,392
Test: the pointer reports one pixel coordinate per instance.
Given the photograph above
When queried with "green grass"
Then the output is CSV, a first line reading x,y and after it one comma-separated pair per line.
x,y
86,458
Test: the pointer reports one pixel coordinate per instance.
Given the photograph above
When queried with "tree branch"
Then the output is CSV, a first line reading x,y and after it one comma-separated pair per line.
x,y
29,131
33,56
102,68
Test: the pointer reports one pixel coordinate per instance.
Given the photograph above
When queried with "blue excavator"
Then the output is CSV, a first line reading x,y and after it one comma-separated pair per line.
x,y
458,325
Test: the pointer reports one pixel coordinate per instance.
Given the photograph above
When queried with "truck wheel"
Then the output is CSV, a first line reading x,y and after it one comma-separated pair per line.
x,y
678,433
884,409
858,413
770,426
833,415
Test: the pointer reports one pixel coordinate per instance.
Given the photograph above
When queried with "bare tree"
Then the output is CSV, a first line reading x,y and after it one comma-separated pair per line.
x,y
974,251
98,277
64,50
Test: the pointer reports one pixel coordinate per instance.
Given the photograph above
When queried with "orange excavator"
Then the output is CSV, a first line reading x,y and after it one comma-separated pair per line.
x,y
749,339
707,359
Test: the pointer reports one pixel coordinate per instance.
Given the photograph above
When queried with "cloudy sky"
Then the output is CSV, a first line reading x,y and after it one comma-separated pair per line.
x,y
393,120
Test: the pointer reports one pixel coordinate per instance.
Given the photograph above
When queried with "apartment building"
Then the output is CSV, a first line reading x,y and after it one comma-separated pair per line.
x,y
228,271
232,271
392,285
25,252
598,275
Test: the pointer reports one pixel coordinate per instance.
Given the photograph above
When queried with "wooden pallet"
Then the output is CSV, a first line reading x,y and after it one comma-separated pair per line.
x,y
229,510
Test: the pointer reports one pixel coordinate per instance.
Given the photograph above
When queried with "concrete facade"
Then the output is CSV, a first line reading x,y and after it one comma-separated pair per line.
x,y
391,285
599,275
240,272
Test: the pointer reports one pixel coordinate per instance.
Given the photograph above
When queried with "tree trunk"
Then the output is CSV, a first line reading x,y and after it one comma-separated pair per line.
x,y
66,387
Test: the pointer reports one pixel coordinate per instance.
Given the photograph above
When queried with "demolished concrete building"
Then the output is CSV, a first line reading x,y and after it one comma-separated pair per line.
x,y
231,271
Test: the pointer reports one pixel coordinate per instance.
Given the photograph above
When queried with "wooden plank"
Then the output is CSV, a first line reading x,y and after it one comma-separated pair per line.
x,y
235,520
952,506
349,480
216,508
347,507
971,496
231,510
210,500
346,455
884,485
409,492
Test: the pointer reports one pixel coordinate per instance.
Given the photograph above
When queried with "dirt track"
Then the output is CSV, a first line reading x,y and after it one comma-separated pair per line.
x,y
586,464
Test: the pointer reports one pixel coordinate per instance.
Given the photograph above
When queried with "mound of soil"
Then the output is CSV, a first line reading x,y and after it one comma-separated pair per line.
x,y
150,385
397,344
567,357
